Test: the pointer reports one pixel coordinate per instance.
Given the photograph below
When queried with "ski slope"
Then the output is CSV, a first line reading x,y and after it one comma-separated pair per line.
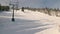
x,y
28,22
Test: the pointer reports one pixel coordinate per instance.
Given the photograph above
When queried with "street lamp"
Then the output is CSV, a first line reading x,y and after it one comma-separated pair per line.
x,y
14,6
13,19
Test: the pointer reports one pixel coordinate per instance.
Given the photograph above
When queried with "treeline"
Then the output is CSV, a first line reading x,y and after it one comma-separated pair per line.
x,y
49,11
34,9
4,8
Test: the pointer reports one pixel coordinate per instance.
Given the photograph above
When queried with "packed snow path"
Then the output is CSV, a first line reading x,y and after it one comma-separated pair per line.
x,y
27,23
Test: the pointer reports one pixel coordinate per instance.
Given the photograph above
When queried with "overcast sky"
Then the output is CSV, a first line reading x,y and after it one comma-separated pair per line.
x,y
35,3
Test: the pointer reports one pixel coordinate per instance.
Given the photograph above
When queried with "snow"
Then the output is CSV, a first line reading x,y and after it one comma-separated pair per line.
x,y
29,22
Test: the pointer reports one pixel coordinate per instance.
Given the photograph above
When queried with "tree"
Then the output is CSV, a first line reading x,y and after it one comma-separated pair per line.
x,y
48,10
4,8
23,9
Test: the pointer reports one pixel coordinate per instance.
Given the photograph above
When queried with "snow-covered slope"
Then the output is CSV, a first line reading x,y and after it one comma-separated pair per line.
x,y
28,22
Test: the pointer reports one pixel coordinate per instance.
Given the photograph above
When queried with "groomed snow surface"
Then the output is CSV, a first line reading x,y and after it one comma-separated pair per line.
x,y
29,22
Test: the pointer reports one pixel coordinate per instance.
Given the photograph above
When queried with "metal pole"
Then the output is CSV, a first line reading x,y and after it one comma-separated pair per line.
x,y
13,14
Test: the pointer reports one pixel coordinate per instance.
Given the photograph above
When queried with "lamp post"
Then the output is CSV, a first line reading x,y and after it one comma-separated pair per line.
x,y
14,6
13,19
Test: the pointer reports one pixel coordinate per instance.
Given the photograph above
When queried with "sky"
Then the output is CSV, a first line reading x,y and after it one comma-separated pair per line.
x,y
34,3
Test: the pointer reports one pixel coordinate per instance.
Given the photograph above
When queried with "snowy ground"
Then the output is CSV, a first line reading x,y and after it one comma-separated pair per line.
x,y
29,22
